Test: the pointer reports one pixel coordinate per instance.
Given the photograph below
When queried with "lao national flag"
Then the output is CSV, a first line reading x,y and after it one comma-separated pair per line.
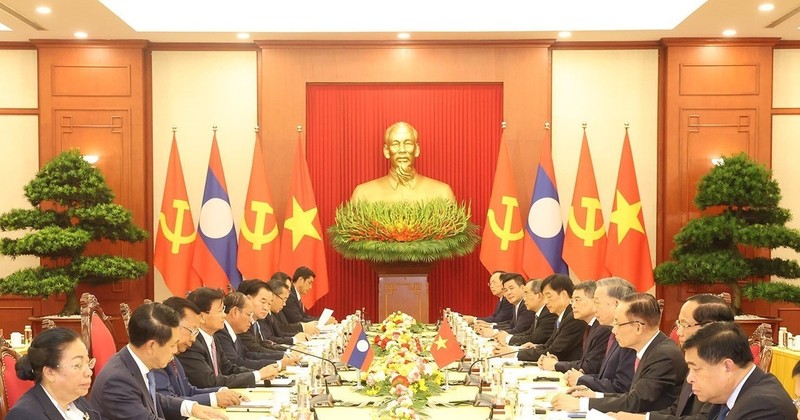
x,y
358,353
542,255
215,254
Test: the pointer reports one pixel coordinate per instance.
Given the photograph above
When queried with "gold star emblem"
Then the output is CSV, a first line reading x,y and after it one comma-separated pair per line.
x,y
626,216
441,343
301,223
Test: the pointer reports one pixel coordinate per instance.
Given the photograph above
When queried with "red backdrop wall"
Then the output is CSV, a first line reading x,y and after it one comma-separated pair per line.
x,y
459,128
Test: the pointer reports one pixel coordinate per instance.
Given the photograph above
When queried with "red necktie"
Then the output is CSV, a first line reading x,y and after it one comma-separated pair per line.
x,y
636,365
611,338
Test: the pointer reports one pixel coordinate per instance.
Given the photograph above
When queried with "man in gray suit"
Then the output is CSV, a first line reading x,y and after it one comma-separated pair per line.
x,y
126,389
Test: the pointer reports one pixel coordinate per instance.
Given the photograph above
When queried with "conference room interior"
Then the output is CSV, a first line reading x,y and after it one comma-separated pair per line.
x,y
687,95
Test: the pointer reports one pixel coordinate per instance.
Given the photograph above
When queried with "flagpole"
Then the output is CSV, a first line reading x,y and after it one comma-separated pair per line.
x,y
358,385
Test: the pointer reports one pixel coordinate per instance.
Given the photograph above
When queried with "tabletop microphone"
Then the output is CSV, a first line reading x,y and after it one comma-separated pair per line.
x,y
322,400
481,399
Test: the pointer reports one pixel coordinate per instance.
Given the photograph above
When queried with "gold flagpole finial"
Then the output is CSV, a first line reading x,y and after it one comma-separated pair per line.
x,y
503,125
547,125
214,127
256,129
299,128
174,129
627,125
584,125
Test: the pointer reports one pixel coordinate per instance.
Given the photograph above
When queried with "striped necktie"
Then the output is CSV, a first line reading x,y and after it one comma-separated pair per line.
x,y
214,357
151,385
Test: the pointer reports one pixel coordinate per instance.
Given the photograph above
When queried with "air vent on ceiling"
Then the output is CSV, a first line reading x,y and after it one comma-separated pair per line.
x,y
784,18
8,9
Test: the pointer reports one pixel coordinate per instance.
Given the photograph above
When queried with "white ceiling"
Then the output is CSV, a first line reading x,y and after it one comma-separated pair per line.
x,y
217,21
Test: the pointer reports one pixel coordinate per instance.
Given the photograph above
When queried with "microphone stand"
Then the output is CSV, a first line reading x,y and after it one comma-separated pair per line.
x,y
481,399
325,399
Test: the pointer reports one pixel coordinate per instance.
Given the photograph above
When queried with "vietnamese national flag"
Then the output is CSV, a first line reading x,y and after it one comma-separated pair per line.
x,y
215,254
542,255
259,241
358,352
445,349
301,242
627,249
585,239
503,235
175,236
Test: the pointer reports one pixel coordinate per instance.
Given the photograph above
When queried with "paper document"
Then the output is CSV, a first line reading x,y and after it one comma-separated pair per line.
x,y
323,319
596,415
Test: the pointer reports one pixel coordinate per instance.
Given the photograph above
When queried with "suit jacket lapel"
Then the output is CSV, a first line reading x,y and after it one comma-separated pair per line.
x,y
50,410
127,358
614,348
683,399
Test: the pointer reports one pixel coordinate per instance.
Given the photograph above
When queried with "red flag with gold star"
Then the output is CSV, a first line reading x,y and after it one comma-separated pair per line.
x,y
301,242
175,236
445,349
259,241
585,238
503,235
627,248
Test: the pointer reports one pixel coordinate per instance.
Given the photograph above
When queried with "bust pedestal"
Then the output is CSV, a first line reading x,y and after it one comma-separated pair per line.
x,y
403,287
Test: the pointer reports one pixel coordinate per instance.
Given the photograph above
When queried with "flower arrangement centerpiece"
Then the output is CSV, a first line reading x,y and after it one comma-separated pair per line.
x,y
417,232
397,331
401,408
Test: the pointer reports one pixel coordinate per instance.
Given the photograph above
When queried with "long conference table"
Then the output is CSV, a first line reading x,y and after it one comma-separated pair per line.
x,y
536,389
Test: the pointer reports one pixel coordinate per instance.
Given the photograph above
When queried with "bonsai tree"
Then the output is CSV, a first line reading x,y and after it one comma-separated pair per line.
x,y
72,206
711,249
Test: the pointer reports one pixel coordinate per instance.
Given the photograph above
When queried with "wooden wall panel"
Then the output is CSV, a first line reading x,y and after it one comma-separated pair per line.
x,y
717,101
92,97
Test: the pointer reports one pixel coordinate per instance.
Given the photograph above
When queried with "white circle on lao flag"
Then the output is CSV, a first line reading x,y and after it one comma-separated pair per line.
x,y
215,218
362,346
544,218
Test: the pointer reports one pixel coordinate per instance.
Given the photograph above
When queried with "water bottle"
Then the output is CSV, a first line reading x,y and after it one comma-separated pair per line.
x,y
28,335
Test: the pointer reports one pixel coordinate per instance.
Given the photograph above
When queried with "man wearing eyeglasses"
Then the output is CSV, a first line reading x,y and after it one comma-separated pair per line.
x,y
205,364
659,370
172,379
238,318
696,312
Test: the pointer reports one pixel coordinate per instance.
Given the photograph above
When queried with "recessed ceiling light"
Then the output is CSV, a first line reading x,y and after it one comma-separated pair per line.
x,y
564,34
729,32
242,35
403,35
766,7
81,34
43,10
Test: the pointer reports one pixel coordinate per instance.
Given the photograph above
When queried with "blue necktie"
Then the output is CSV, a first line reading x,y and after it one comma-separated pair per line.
x,y
558,323
723,412
151,384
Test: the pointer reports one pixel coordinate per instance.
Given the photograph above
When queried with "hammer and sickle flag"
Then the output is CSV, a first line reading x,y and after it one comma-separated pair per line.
x,y
302,241
259,241
503,234
585,238
627,250
175,234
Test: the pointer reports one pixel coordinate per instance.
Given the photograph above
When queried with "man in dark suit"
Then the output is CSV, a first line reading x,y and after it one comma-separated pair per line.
x,y
125,388
206,366
616,368
172,379
275,328
503,311
295,311
238,316
594,340
659,372
261,296
522,318
543,324
722,372
565,342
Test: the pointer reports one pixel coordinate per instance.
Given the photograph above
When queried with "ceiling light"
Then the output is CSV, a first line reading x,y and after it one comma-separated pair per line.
x,y
729,32
564,34
43,10
766,7
81,34
403,35
243,35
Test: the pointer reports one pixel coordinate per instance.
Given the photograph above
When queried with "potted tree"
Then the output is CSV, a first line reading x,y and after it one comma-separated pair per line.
x,y
72,206
713,248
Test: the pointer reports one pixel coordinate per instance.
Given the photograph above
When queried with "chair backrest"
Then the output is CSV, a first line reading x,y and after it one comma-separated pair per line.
x,y
97,332
11,387
761,346
125,312
48,324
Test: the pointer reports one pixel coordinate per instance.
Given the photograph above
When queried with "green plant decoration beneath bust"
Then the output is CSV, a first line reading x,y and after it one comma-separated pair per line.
x,y
712,249
418,232
72,206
